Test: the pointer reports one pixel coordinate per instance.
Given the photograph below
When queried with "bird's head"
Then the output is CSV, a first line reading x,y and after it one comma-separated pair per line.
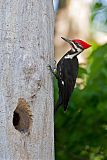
x,y
77,44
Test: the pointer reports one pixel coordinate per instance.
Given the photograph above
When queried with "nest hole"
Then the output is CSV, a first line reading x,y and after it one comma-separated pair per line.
x,y
22,116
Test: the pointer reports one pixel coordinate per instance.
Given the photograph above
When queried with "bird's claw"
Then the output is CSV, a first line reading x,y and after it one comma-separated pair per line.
x,y
54,62
52,71
49,67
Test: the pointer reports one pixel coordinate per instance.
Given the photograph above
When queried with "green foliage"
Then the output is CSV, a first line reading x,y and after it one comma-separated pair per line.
x,y
99,15
81,132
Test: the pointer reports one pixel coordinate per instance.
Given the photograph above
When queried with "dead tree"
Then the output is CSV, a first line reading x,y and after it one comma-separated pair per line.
x,y
26,91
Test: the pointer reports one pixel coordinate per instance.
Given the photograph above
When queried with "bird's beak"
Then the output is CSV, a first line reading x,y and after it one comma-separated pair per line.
x,y
67,40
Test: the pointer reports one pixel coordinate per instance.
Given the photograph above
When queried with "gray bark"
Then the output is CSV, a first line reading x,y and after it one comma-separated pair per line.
x,y
26,48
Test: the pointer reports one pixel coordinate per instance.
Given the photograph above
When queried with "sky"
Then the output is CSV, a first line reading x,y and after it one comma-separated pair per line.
x,y
55,3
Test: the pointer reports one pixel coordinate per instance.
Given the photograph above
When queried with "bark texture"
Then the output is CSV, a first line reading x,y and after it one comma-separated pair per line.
x,y
26,48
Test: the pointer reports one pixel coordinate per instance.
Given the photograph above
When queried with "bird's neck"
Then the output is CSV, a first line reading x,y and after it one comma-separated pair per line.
x,y
70,54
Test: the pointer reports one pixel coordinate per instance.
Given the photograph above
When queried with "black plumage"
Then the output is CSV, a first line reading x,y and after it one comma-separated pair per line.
x,y
67,70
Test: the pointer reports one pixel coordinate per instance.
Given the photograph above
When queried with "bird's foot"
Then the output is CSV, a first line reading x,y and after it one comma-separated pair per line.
x,y
55,62
52,70
49,68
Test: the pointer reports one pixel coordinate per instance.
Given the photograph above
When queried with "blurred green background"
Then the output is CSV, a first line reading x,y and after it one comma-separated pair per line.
x,y
81,132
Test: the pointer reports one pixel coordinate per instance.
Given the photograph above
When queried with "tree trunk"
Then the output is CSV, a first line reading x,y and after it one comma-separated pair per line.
x,y
26,91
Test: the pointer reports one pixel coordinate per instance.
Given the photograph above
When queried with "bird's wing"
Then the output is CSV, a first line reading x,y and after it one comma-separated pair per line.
x,y
67,80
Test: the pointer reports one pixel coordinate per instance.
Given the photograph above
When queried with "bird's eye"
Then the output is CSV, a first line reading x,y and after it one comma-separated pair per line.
x,y
78,45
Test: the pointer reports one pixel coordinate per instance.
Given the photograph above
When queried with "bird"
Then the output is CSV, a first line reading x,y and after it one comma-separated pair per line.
x,y
67,71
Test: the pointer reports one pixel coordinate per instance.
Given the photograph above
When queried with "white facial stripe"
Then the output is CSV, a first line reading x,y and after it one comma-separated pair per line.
x,y
74,45
79,50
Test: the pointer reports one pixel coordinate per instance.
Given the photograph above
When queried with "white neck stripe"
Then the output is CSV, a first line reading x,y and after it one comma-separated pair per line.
x,y
70,56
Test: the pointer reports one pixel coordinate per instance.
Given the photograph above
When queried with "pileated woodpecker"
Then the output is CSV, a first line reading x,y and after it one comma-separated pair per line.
x,y
67,70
